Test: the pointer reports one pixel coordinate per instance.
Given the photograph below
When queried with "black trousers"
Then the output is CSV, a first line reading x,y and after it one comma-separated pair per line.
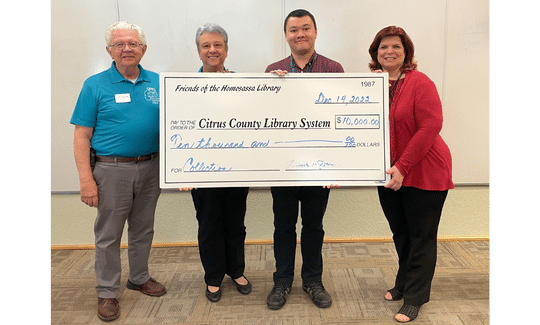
x,y
313,201
222,233
413,215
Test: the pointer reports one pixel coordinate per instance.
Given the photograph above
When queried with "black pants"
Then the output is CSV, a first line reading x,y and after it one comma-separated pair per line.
x,y
413,215
313,201
221,213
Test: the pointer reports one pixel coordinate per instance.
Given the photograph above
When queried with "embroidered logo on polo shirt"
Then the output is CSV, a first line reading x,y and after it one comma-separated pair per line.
x,y
151,95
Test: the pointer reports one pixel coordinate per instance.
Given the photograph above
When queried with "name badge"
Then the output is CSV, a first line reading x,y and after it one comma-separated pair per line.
x,y
122,98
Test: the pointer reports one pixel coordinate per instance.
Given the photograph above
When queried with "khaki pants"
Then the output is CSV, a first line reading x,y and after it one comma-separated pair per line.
x,y
127,192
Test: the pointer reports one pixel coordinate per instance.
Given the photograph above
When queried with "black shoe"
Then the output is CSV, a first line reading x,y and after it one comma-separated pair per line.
x,y
396,295
409,311
213,296
277,297
243,288
320,297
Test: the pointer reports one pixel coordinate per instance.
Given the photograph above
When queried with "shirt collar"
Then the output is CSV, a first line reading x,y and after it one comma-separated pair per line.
x,y
200,70
117,77
309,64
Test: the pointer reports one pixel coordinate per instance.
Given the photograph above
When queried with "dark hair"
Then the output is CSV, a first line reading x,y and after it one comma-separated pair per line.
x,y
408,63
299,13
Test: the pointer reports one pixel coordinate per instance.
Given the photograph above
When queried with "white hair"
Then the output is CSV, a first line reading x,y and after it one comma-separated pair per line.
x,y
211,29
125,25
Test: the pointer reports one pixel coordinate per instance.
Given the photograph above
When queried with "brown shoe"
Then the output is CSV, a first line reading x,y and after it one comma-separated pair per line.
x,y
108,309
150,288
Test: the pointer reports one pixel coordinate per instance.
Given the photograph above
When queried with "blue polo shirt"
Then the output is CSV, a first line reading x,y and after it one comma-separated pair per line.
x,y
123,114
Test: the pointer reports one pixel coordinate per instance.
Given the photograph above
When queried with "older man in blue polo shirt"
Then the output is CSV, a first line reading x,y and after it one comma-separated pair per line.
x,y
117,116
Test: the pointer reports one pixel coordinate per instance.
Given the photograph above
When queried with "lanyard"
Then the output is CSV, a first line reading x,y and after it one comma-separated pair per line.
x,y
293,68
395,84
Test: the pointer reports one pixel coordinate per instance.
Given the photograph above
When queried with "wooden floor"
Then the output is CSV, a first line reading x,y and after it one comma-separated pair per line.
x,y
357,276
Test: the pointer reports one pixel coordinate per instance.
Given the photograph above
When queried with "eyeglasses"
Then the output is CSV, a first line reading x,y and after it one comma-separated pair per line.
x,y
131,45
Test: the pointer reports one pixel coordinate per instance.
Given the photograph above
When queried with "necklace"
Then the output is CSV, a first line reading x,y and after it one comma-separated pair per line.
x,y
393,87
391,119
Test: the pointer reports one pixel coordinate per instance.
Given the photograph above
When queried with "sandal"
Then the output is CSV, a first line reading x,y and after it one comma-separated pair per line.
x,y
409,311
396,294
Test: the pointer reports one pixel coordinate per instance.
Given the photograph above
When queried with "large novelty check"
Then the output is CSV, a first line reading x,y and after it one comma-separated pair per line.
x,y
259,130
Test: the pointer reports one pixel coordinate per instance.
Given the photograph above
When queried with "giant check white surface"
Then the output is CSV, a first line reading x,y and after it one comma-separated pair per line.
x,y
259,130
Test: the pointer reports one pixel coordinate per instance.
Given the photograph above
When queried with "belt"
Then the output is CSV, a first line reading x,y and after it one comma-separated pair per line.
x,y
127,159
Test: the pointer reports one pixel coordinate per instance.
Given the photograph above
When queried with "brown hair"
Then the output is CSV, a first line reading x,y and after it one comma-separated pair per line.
x,y
408,63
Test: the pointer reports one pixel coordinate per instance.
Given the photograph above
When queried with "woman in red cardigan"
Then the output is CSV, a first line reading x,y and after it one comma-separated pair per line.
x,y
421,170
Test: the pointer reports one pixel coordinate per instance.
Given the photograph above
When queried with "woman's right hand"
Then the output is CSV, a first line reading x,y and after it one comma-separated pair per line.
x,y
397,179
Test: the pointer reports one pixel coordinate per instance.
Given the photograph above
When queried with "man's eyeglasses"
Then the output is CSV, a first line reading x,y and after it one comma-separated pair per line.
x,y
131,45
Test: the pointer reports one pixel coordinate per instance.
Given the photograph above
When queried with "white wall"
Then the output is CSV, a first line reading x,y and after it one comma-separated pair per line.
x,y
452,47
352,213
451,43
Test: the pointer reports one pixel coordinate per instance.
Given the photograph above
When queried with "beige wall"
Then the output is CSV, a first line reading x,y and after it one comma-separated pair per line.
x,y
352,213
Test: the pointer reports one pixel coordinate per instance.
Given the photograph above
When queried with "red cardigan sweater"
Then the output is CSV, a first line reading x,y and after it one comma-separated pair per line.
x,y
420,154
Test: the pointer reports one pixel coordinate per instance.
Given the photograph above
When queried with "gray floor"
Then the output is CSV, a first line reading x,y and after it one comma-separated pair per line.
x,y
357,276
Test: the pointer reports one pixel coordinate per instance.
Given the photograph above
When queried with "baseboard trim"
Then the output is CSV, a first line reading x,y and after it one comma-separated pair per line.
x,y
269,241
